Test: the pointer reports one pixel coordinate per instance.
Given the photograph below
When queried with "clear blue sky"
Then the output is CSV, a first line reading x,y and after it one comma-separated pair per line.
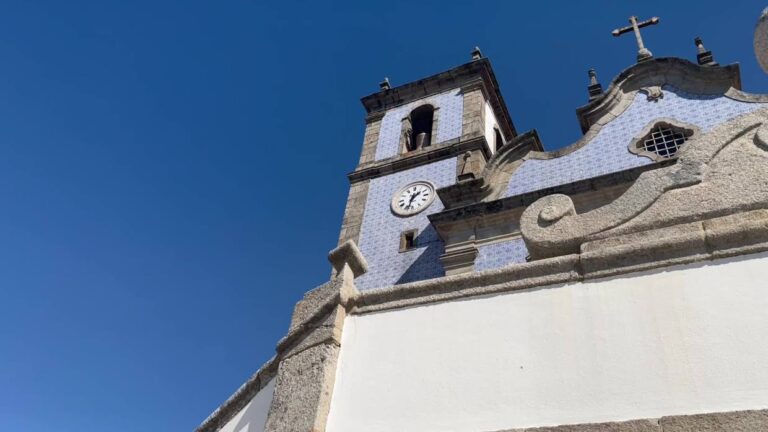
x,y
172,173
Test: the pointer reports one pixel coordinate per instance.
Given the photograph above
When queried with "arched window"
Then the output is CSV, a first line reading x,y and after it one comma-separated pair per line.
x,y
421,128
498,140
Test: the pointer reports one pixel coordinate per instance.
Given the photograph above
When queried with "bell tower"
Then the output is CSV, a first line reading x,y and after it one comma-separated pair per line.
x,y
419,137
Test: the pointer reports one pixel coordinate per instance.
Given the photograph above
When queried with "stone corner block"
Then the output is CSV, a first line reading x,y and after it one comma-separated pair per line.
x,y
349,254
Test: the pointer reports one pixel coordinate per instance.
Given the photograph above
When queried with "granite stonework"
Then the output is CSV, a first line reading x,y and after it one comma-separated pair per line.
x,y
495,255
717,174
381,229
609,151
448,113
303,390
734,421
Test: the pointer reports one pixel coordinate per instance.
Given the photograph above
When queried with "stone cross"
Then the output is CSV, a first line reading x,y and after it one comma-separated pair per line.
x,y
642,52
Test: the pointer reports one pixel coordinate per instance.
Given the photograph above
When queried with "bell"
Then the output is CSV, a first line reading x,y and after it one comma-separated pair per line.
x,y
422,140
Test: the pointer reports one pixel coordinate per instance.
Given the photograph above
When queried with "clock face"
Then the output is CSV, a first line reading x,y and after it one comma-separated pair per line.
x,y
413,198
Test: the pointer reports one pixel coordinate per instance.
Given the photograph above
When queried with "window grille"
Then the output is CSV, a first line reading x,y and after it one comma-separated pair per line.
x,y
665,140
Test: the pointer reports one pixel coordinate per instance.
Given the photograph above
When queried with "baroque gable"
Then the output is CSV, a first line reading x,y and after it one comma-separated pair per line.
x,y
669,97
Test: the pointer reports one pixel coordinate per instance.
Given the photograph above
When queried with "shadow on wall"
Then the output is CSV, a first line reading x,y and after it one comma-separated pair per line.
x,y
253,418
427,265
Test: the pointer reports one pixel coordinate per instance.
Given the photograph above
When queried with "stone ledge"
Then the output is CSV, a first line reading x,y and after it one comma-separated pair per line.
x,y
734,421
240,398
316,327
551,271
528,198
440,151
738,234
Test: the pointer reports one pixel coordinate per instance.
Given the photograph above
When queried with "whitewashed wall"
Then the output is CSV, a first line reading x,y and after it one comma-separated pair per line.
x,y
690,339
253,417
490,123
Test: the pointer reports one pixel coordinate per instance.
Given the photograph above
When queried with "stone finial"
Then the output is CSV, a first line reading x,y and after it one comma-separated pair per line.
x,y
384,85
477,54
761,40
348,254
594,88
703,56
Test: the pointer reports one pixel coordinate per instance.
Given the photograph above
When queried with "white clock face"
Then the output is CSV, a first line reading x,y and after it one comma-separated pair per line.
x,y
413,198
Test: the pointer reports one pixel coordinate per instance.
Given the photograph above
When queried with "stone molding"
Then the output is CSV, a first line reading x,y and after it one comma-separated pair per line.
x,y
413,159
678,72
485,208
732,235
475,72
459,261
733,421
743,96
240,398
354,210
647,77
505,162
347,254
551,227
728,236
305,364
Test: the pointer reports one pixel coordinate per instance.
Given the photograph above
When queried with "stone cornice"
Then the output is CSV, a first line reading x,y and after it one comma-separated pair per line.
x,y
481,209
728,236
732,421
678,72
495,174
317,320
240,398
459,76
743,96
420,157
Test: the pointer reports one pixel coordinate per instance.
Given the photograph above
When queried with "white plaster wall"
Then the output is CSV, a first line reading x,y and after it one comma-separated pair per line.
x,y
490,123
687,340
253,417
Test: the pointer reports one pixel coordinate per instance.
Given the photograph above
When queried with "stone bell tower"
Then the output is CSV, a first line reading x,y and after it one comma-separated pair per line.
x,y
419,137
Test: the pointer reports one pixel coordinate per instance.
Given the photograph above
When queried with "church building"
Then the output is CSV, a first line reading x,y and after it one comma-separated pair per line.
x,y
482,283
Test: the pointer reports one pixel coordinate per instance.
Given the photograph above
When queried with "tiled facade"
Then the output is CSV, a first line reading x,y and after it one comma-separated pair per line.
x,y
608,152
449,106
380,232
499,254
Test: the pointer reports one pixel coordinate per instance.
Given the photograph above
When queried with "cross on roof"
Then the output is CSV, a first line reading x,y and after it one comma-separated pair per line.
x,y
642,52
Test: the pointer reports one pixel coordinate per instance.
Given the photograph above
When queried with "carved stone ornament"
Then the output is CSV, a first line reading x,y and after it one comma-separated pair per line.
x,y
654,93
717,174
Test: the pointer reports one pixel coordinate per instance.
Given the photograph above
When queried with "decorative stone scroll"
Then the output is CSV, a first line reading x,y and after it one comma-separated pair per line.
x,y
717,174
